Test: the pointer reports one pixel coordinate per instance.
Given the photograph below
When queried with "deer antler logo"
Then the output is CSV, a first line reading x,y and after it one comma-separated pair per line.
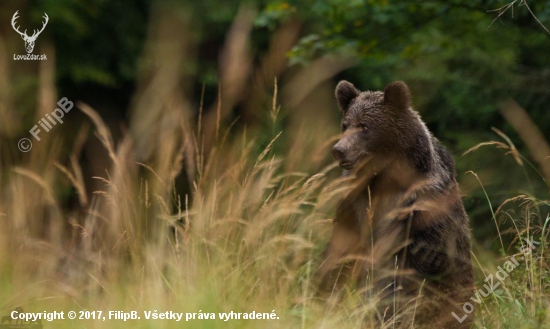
x,y
29,40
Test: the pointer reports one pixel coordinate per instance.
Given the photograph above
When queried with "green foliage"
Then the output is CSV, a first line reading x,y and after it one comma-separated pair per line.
x,y
99,41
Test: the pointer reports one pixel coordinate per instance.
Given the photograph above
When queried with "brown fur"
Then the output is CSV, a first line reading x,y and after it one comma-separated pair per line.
x,y
403,224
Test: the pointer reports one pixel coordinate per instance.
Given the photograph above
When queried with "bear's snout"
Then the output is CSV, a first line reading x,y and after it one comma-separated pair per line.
x,y
338,152
346,152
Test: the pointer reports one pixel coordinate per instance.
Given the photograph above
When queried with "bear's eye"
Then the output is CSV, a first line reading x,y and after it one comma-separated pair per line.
x,y
344,126
362,127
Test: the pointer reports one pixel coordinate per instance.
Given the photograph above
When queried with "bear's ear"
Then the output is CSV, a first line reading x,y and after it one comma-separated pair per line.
x,y
345,93
397,95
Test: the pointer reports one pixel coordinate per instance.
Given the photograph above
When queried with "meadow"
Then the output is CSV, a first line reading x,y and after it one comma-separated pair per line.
x,y
248,237
209,189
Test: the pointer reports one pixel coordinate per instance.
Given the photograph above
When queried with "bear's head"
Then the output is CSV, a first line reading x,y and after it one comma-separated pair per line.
x,y
373,122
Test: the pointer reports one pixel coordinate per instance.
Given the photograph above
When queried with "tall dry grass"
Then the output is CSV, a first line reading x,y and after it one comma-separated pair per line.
x,y
246,238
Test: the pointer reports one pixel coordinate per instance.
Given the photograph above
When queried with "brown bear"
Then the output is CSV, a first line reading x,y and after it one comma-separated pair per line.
x,y
401,233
